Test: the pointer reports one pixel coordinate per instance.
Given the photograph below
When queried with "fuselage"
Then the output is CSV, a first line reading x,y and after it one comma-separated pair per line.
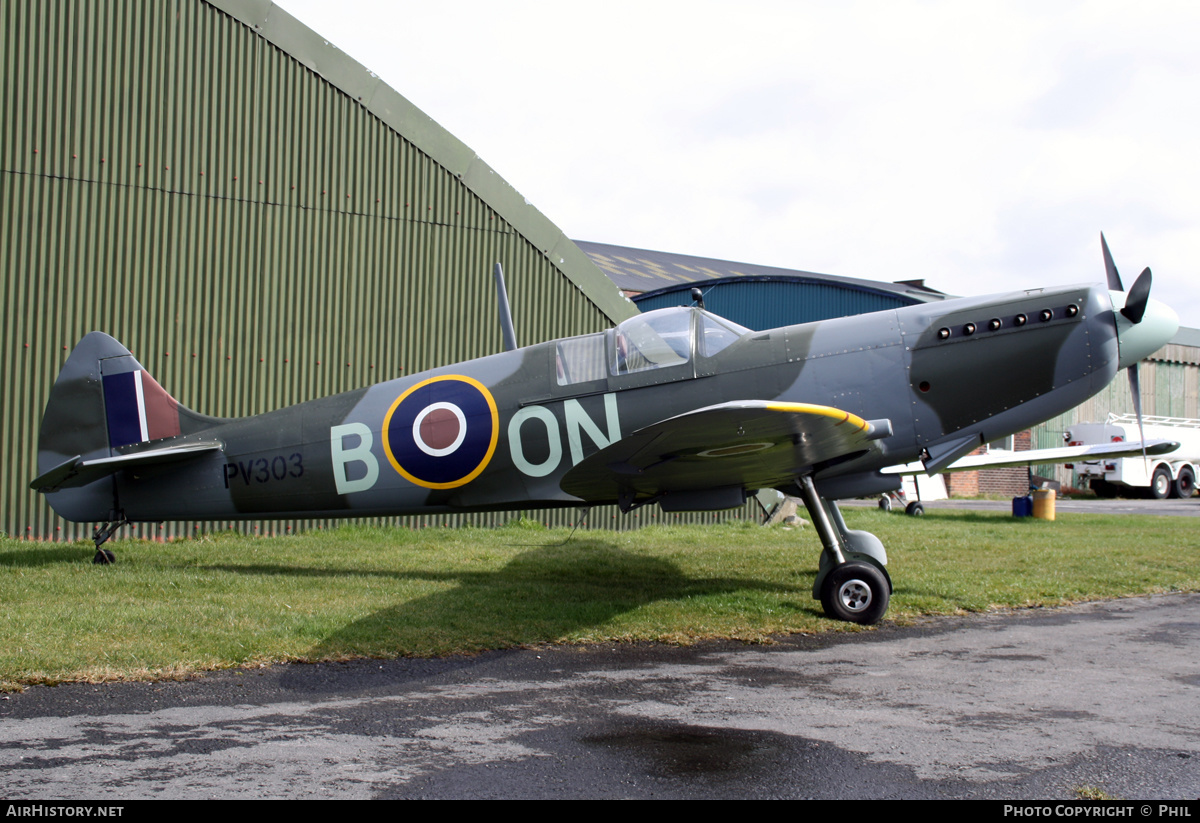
x,y
501,431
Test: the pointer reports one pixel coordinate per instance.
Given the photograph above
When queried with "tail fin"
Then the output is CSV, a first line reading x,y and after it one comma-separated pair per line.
x,y
103,400
104,405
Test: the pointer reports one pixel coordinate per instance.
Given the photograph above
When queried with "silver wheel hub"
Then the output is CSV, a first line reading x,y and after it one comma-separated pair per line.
x,y
855,595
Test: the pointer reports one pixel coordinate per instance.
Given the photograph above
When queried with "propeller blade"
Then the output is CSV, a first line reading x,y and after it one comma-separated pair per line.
x,y
1110,268
1136,391
1137,297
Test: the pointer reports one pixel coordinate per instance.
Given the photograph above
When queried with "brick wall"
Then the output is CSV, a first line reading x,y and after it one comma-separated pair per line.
x,y
1009,482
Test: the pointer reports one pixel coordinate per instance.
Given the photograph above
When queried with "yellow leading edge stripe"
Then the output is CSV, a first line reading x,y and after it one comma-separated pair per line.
x,y
823,411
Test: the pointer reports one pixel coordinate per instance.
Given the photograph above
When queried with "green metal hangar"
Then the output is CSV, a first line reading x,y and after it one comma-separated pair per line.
x,y
255,215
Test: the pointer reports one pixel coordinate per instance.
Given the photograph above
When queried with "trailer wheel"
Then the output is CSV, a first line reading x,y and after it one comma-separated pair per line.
x,y
1160,483
1184,485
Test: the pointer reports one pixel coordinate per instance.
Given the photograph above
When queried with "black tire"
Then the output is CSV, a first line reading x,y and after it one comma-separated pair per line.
x,y
885,503
1103,489
914,509
856,593
1185,484
104,557
1160,483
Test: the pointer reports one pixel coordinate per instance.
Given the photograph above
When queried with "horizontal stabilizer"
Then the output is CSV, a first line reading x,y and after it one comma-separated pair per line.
x,y
1065,454
76,472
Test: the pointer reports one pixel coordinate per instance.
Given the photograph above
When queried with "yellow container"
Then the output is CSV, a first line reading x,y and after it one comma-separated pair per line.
x,y
1043,504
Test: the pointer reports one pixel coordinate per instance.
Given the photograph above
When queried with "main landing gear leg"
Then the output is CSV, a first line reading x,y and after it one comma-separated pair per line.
x,y
852,583
116,520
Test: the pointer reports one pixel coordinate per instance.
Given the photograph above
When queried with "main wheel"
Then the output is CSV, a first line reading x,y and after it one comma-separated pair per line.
x,y
914,509
1185,484
104,557
1160,483
856,592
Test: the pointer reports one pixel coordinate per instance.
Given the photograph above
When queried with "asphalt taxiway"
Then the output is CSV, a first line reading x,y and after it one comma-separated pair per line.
x,y
1046,703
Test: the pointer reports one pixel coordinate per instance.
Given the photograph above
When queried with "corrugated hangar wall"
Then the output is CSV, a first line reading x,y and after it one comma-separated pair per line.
x,y
256,216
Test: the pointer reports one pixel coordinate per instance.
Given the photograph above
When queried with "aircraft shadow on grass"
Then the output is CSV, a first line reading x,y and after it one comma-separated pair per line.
x,y
541,595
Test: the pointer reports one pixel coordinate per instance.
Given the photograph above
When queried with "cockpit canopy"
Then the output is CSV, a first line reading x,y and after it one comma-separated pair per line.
x,y
658,339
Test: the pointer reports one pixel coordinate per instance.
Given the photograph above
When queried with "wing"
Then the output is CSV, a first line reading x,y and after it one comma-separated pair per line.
x,y
1065,454
749,444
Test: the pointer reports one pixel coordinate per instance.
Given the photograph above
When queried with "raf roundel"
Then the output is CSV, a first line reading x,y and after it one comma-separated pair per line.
x,y
442,432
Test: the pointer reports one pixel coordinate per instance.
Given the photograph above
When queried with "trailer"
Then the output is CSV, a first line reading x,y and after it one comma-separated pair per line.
x,y
1169,475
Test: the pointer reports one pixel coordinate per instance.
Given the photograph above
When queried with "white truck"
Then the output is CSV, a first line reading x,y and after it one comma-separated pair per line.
x,y
1168,475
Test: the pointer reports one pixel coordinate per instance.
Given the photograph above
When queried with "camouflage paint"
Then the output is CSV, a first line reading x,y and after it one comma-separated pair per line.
x,y
504,433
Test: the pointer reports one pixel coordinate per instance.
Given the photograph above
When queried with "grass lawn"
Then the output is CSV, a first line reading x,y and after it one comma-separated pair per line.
x,y
170,609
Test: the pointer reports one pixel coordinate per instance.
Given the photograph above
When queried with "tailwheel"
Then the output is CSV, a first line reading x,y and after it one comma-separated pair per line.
x,y
856,592
105,557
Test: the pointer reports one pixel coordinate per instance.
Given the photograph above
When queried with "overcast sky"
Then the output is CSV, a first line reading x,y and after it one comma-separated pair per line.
x,y
980,146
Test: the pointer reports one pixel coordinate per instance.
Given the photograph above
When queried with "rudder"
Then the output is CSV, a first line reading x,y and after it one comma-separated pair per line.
x,y
104,404
103,400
